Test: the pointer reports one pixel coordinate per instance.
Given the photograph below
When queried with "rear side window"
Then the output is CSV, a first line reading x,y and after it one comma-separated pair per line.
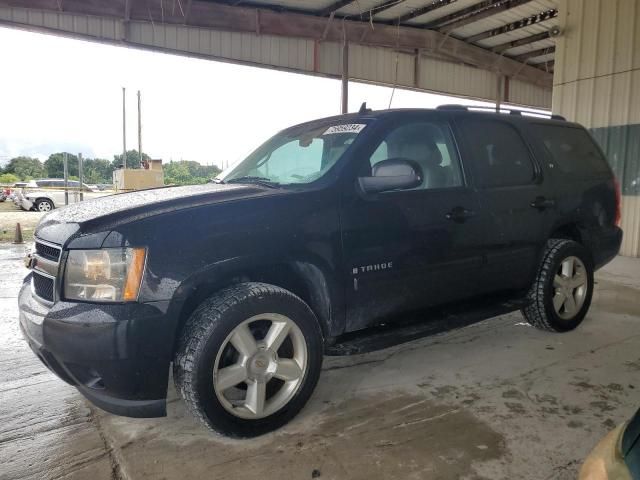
x,y
572,149
499,156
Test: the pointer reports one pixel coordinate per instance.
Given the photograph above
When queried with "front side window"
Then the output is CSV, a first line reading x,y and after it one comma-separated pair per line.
x,y
296,156
430,145
499,156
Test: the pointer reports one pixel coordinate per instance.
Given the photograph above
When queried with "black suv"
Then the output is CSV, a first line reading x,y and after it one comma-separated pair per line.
x,y
330,227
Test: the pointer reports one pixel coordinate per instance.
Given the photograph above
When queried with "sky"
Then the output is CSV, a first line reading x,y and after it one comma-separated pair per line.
x,y
60,94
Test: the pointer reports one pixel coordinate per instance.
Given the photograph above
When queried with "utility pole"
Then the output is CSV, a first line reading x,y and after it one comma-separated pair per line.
x,y
80,177
124,130
65,166
140,128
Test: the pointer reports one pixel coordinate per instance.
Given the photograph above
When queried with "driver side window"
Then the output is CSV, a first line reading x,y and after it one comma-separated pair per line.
x,y
430,145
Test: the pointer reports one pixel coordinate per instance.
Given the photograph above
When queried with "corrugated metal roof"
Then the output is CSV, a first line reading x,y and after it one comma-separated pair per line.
x,y
530,47
511,15
493,15
440,12
245,31
304,5
517,34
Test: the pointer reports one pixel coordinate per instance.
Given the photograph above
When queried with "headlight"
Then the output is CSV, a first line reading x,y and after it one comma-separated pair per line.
x,y
107,275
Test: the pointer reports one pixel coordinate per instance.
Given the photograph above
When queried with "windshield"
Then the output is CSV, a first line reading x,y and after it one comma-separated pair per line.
x,y
297,156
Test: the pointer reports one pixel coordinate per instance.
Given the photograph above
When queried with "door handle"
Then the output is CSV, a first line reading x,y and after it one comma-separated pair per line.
x,y
541,203
459,214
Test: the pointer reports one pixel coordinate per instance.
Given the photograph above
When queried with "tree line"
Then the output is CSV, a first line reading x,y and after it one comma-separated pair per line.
x,y
100,170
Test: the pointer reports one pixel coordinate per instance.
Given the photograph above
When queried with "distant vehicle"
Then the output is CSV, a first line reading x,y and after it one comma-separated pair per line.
x,y
105,186
46,194
16,193
329,228
617,456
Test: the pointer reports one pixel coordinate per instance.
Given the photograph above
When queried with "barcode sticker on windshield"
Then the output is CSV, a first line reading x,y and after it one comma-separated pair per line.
x,y
345,128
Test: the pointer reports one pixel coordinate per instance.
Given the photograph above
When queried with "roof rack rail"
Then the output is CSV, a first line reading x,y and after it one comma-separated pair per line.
x,y
503,109
452,106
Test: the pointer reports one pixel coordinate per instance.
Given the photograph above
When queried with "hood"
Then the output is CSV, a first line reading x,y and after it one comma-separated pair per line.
x,y
100,214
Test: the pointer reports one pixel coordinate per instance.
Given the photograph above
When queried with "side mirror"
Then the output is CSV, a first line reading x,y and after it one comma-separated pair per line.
x,y
392,174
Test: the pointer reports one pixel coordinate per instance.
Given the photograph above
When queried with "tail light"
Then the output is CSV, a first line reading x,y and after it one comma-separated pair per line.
x,y
618,216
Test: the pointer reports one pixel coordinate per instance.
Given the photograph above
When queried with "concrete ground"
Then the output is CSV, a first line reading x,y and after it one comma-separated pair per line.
x,y
495,400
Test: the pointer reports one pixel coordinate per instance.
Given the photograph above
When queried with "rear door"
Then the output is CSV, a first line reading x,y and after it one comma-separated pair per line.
x,y
409,249
517,204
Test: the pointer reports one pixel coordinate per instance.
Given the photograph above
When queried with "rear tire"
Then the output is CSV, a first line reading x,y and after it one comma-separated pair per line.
x,y
43,205
561,293
248,359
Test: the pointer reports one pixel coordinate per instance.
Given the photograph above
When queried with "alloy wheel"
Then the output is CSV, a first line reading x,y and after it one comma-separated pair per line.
x,y
570,285
260,366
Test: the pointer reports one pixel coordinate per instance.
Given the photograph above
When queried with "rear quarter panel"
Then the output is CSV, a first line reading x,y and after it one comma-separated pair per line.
x,y
586,201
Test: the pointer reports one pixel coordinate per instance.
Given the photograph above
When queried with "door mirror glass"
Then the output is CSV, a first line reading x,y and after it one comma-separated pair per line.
x,y
392,174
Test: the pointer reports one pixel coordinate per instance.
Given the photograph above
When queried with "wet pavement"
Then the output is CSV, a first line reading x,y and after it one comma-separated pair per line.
x,y
495,400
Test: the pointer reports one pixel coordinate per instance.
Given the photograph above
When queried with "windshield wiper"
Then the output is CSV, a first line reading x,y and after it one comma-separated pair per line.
x,y
267,182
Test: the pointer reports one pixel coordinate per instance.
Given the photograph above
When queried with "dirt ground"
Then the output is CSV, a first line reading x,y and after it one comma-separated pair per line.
x,y
495,400
10,215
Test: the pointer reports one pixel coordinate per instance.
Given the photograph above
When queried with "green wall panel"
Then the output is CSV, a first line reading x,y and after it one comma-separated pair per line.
x,y
622,146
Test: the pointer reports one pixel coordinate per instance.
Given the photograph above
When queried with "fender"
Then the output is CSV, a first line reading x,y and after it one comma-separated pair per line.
x,y
307,279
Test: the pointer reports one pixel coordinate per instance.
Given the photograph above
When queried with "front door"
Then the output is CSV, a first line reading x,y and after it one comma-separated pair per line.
x,y
409,249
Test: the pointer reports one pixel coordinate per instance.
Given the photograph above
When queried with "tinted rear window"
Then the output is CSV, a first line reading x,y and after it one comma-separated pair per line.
x,y
573,150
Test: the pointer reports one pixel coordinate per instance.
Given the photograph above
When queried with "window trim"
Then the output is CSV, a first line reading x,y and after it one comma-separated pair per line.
x,y
448,125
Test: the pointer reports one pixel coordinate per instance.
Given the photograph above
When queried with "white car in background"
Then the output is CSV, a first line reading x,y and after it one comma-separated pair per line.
x,y
46,194
16,193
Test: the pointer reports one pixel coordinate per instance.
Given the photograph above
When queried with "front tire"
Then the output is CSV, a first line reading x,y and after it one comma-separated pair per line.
x,y
44,205
248,359
561,293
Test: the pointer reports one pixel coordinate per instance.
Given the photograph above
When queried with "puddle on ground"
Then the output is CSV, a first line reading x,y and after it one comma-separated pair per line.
x,y
616,298
388,435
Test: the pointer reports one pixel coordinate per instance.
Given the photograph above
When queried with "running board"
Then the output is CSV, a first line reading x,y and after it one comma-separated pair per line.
x,y
410,327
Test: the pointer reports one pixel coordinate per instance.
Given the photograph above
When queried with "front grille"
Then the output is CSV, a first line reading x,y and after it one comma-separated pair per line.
x,y
47,251
43,286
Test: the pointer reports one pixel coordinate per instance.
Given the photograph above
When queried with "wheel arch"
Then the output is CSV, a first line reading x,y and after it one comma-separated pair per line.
x,y
48,199
573,231
305,279
568,231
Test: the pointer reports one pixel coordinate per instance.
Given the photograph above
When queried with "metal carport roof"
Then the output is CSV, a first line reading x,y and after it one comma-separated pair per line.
x,y
490,49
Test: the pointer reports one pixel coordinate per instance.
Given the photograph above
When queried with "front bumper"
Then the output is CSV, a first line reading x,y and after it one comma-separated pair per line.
x,y
26,204
116,355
